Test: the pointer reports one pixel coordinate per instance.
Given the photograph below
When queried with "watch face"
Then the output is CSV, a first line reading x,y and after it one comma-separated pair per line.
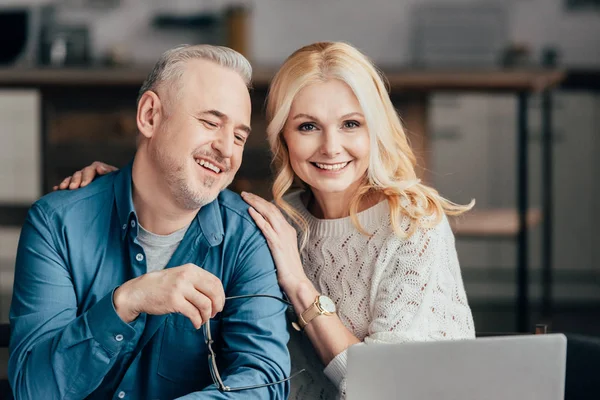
x,y
327,304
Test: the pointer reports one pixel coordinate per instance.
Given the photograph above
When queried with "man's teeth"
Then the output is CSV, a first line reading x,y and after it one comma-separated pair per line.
x,y
332,167
208,165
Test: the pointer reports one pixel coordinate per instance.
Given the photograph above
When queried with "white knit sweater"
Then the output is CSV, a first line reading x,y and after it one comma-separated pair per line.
x,y
386,289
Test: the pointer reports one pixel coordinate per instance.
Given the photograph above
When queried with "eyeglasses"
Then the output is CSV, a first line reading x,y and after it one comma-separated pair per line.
x,y
212,363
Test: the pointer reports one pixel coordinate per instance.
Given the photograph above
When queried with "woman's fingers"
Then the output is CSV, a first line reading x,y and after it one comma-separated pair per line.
x,y
102,168
76,180
85,176
89,173
94,169
65,183
268,210
263,225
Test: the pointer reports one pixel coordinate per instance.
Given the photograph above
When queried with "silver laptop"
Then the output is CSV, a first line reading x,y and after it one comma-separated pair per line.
x,y
496,368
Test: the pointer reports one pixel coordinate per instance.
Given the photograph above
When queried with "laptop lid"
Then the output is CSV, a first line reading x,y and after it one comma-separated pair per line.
x,y
494,368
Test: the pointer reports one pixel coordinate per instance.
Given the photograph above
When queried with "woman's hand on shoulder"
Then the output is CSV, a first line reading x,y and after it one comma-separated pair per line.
x,y
282,240
84,176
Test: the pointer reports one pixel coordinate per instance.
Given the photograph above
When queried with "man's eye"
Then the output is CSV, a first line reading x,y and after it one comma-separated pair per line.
x,y
307,127
209,123
240,138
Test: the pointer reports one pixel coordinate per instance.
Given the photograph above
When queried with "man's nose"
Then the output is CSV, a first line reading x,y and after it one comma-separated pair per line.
x,y
224,142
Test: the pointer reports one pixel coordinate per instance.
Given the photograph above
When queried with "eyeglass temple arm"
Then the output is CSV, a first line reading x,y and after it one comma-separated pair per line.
x,y
230,389
244,296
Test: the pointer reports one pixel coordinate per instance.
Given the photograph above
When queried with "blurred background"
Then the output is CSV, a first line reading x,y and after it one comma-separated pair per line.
x,y
500,99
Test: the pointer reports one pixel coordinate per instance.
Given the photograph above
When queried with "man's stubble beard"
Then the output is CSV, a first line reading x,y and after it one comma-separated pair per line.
x,y
174,172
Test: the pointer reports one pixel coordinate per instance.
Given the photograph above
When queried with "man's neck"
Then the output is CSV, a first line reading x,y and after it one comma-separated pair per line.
x,y
156,210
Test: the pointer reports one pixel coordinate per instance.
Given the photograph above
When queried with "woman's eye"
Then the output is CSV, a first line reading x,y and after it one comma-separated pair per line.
x,y
307,127
351,124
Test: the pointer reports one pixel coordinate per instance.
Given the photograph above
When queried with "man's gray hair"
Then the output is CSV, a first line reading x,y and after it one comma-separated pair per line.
x,y
169,66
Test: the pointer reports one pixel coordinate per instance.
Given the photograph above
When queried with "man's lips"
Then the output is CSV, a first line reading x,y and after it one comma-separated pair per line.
x,y
211,165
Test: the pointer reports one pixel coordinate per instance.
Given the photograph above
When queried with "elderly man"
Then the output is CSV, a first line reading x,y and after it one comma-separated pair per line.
x,y
115,282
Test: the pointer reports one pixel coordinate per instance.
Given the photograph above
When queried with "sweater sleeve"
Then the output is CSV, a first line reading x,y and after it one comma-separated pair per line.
x,y
336,371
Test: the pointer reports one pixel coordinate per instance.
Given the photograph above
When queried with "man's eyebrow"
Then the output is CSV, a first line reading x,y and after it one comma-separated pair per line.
x,y
216,113
245,128
224,117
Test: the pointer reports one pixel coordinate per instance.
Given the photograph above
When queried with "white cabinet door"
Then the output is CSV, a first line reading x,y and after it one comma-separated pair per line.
x,y
460,159
574,180
20,167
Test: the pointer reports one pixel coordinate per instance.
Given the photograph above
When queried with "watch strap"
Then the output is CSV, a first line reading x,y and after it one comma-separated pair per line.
x,y
309,314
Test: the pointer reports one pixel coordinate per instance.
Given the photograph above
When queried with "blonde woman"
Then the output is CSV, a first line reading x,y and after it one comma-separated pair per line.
x,y
364,250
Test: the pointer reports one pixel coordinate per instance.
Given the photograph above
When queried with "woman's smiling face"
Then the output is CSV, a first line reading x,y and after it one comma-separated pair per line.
x,y
327,138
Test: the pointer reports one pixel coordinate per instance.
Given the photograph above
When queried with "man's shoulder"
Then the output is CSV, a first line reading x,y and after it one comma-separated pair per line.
x,y
232,203
62,201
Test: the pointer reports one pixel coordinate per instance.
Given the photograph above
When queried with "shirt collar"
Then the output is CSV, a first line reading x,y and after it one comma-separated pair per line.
x,y
211,223
209,217
124,199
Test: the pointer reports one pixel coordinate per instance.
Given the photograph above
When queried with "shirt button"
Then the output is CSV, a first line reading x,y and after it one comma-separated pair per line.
x,y
121,394
139,257
119,338
133,226
124,226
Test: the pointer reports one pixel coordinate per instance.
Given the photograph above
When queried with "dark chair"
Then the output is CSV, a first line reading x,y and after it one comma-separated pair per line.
x,y
583,367
5,392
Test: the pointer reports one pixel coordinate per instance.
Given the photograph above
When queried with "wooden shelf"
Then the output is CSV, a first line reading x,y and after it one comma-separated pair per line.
x,y
494,223
484,80
73,76
405,79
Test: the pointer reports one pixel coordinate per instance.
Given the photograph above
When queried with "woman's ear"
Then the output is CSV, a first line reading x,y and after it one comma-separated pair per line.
x,y
148,113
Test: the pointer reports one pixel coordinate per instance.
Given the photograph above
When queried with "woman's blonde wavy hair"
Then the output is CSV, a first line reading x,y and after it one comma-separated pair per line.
x,y
392,163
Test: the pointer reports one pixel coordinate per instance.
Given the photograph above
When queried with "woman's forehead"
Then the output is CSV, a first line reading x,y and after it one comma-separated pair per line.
x,y
326,97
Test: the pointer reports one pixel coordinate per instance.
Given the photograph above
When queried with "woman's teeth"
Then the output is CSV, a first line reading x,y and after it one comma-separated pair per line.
x,y
208,165
332,167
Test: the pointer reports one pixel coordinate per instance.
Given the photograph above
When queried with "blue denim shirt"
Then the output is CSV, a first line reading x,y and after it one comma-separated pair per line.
x,y
67,342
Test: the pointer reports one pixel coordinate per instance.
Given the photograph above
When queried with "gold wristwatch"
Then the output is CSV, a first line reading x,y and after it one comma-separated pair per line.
x,y
323,305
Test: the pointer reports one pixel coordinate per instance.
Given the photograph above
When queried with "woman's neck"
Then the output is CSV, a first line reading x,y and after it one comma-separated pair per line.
x,y
336,205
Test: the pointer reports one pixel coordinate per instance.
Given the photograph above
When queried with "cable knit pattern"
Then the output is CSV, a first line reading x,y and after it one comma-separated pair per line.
x,y
386,289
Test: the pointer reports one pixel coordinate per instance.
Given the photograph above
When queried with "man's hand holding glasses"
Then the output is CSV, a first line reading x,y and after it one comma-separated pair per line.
x,y
187,289
190,291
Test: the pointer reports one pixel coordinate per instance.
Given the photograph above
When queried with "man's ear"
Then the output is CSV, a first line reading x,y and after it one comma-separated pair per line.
x,y
149,113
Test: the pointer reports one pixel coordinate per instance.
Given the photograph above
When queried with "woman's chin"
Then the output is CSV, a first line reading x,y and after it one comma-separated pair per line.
x,y
332,188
